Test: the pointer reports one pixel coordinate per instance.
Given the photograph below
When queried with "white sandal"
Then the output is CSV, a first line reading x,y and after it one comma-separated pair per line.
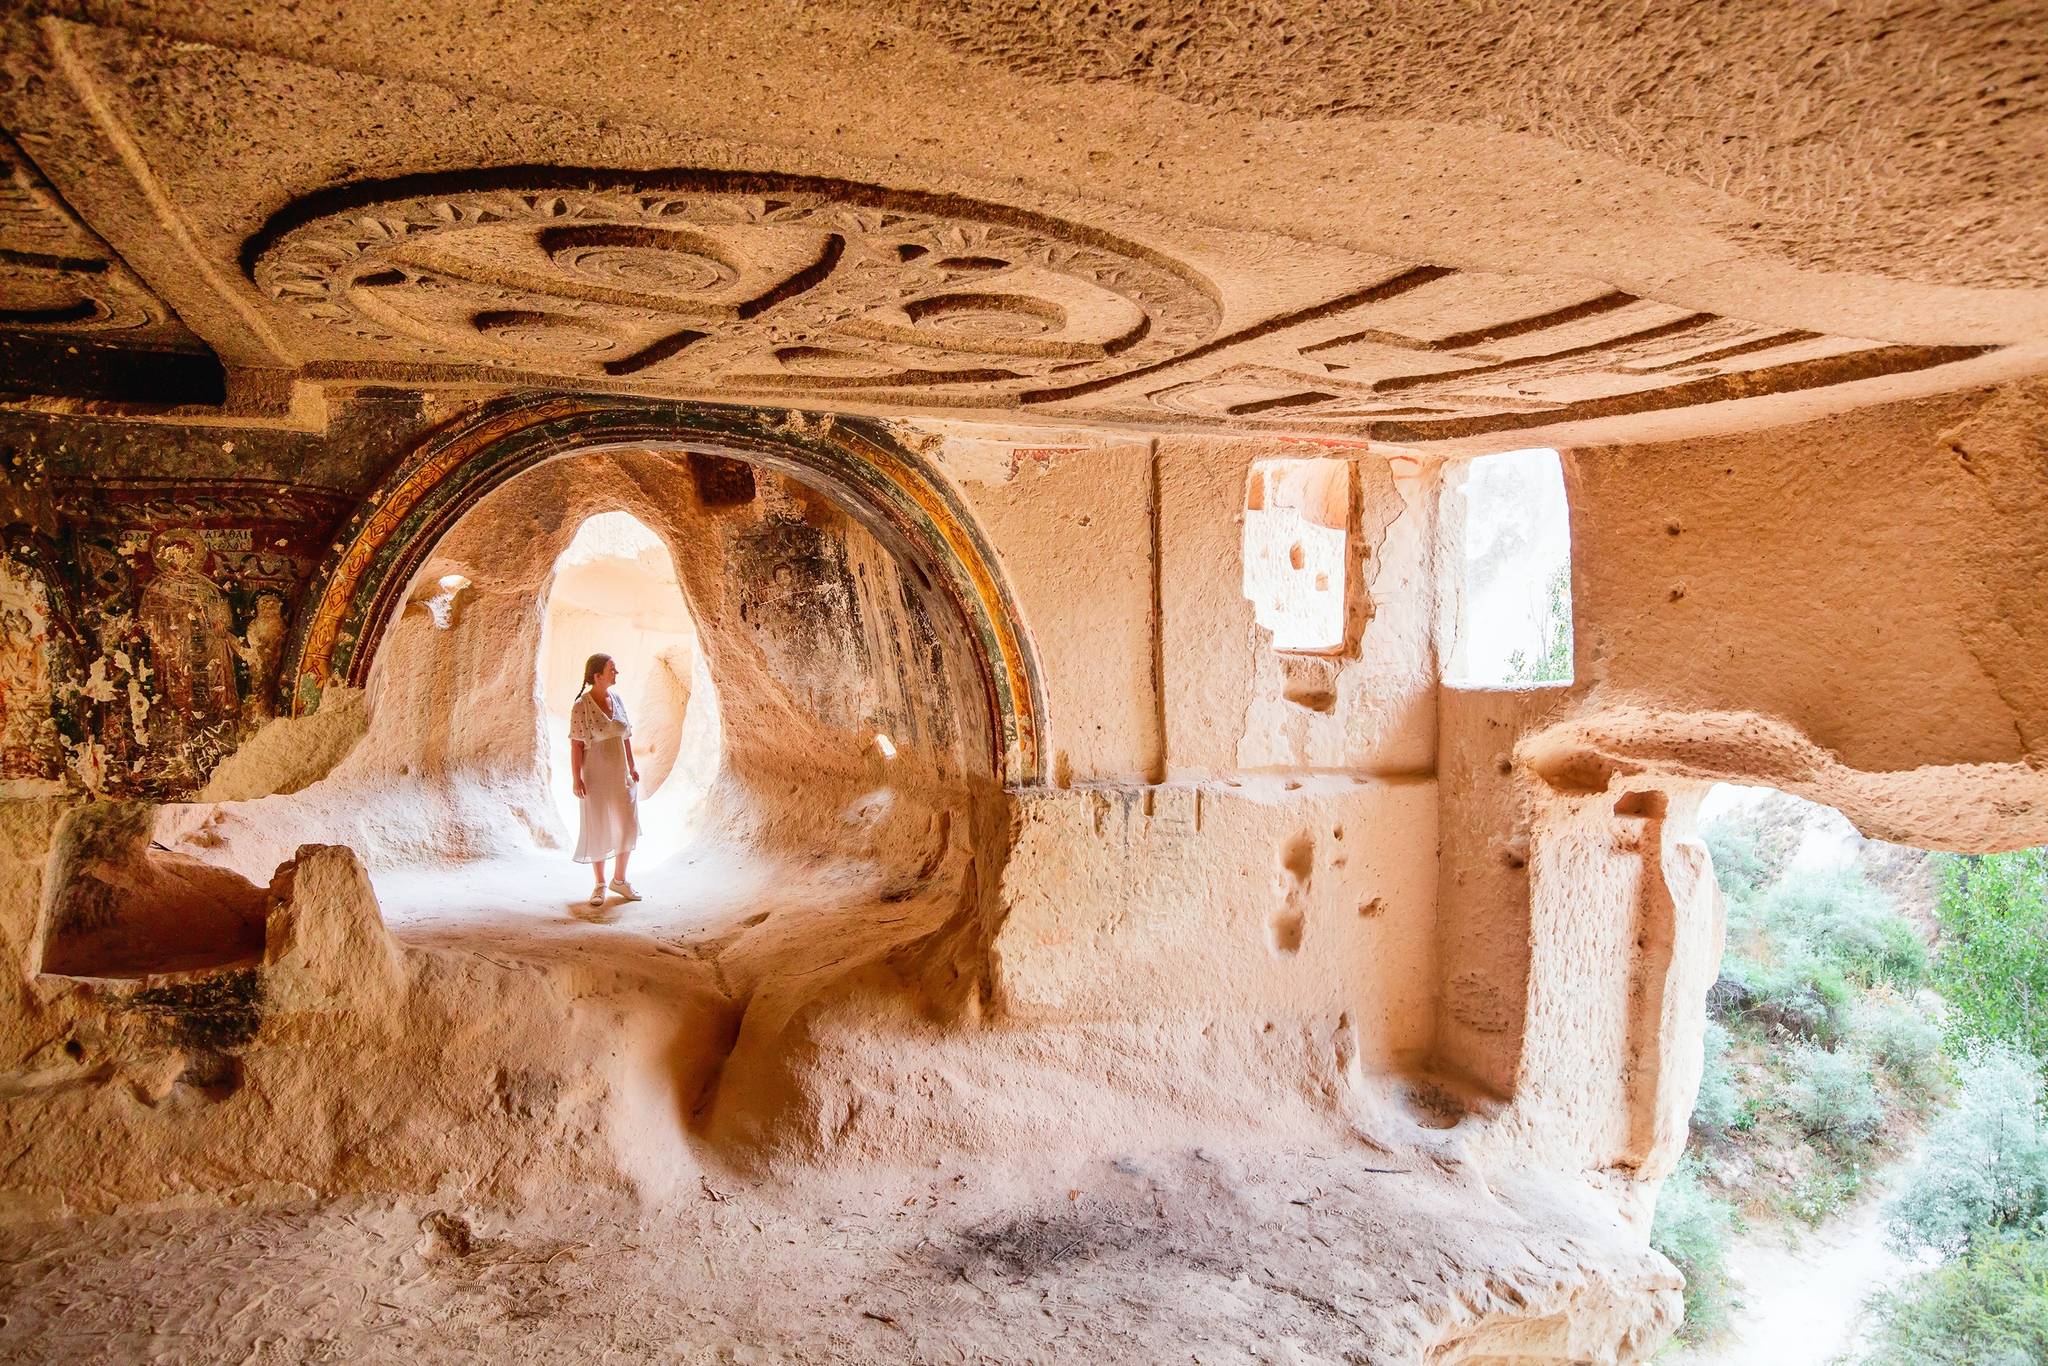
x,y
624,889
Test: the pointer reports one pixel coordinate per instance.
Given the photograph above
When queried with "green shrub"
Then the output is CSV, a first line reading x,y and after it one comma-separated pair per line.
x,y
1738,862
1826,1191
1693,1229
1751,844
1798,953
1993,964
1899,956
1988,1309
1799,992
1734,990
1832,1096
1719,1104
1843,921
1902,1041
1985,1166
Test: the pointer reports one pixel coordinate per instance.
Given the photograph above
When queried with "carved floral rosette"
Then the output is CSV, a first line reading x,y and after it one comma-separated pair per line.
x,y
745,283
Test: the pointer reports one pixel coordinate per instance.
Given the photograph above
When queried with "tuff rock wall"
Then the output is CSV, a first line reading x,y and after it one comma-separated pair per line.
x,y
1258,898
1054,418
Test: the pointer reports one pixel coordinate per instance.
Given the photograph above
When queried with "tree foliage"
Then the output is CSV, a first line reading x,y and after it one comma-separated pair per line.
x,y
1985,1166
1993,963
1553,664
1988,1308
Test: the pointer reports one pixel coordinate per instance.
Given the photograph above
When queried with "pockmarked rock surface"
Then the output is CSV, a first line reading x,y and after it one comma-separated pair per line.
x,y
1080,920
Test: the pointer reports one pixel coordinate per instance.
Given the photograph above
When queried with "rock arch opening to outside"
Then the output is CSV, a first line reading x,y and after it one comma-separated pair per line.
x,y
823,753
615,592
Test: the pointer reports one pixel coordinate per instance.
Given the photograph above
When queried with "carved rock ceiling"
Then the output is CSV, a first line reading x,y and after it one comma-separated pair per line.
x,y
58,278
352,226
747,283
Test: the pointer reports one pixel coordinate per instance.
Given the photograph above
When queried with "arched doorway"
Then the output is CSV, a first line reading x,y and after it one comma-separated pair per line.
x,y
614,591
857,463
869,672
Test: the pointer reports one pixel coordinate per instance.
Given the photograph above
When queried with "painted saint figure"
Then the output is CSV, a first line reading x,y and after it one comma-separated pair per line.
x,y
191,633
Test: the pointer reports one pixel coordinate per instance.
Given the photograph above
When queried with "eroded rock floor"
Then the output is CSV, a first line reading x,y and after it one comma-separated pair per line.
x,y
1179,1256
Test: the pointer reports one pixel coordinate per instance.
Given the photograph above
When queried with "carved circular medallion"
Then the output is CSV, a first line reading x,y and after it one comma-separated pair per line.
x,y
67,297
55,276
553,333
1015,315
738,282
657,259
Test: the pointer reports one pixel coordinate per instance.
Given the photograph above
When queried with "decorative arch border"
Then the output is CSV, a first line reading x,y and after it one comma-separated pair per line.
x,y
884,484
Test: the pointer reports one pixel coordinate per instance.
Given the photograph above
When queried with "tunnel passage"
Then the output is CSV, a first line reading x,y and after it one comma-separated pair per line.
x,y
614,592
810,636
854,464
811,695
789,641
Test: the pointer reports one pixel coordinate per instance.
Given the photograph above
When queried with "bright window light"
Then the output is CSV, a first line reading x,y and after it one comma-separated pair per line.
x,y
1514,626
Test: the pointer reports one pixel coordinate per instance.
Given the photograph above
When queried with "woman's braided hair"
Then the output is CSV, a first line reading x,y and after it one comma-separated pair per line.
x,y
592,667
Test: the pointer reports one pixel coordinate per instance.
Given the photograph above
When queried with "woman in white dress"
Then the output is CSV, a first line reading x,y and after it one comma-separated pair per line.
x,y
607,778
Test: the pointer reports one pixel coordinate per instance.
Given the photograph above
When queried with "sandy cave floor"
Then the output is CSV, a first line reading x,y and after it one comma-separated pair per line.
x,y
1191,1256
1180,1253
535,904
1804,1296
735,912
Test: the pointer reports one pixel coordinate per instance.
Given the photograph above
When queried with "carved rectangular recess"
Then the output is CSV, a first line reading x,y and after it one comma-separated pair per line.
x,y
1297,536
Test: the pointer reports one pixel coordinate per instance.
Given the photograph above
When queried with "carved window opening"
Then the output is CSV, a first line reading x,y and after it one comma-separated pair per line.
x,y
1297,550
614,591
1513,624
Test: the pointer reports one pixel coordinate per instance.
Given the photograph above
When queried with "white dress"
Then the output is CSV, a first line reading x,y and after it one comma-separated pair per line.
x,y
611,800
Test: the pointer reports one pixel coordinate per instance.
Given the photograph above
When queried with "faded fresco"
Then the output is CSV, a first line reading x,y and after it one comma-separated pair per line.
x,y
145,624
28,732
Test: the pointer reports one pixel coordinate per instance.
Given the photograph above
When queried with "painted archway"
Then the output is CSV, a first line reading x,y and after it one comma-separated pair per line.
x,y
888,487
